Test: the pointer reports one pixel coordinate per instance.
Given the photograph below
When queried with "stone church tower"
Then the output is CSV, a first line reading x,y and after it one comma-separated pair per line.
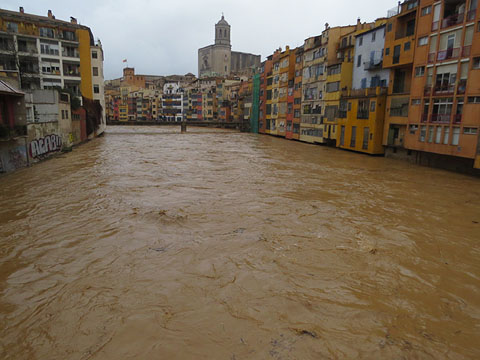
x,y
215,60
219,59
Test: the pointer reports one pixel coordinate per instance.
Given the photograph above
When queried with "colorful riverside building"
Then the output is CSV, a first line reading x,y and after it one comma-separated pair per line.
x,y
269,86
47,53
297,95
443,118
313,80
398,57
321,97
362,111
265,69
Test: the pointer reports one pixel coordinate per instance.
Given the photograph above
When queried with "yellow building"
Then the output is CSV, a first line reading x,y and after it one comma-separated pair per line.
x,y
361,125
362,107
339,77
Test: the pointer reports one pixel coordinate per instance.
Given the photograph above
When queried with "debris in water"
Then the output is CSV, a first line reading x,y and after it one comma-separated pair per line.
x,y
160,249
306,332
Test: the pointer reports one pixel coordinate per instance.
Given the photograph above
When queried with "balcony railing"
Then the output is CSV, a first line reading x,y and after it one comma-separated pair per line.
x,y
373,64
440,118
448,54
444,89
453,20
457,118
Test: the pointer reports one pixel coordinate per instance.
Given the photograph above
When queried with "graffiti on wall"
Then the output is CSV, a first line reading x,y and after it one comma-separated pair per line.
x,y
46,145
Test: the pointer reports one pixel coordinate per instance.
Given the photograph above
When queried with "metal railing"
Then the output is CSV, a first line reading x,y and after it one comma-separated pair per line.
x,y
448,54
452,20
440,118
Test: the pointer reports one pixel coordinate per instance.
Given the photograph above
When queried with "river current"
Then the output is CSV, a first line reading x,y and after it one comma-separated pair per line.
x,y
151,244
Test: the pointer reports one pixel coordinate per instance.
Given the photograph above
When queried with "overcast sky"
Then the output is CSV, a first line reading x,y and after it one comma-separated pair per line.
x,y
161,37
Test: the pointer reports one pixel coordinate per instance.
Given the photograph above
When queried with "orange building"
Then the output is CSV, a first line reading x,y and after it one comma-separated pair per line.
x,y
265,69
445,97
295,98
399,52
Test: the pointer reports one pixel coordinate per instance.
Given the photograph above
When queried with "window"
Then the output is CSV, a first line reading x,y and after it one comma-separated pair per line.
x,y
95,71
96,89
423,41
372,106
366,134
413,129
359,60
13,27
446,135
419,71
360,41
363,109
478,26
455,135
476,63
474,99
389,27
47,32
374,35
426,10
423,132
333,86
407,45
416,101
387,51
94,55
469,131
430,134
354,136
438,136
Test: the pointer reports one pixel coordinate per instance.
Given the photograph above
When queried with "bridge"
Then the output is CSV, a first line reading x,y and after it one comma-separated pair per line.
x,y
242,126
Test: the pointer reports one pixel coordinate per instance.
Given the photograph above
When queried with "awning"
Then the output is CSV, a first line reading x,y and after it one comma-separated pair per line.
x,y
7,89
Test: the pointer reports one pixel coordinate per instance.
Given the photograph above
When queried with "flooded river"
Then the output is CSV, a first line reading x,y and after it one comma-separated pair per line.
x,y
150,244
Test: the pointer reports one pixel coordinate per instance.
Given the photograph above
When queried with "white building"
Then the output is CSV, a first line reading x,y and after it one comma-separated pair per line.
x,y
173,107
96,53
367,69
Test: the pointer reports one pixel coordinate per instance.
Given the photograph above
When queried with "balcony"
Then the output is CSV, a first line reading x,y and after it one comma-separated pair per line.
x,y
427,91
453,20
373,64
448,54
444,89
431,58
440,118
424,118
457,118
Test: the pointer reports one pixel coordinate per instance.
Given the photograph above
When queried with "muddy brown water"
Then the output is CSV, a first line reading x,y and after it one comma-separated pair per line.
x,y
150,244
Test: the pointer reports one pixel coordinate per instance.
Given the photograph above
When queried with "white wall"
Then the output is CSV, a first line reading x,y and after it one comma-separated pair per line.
x,y
365,50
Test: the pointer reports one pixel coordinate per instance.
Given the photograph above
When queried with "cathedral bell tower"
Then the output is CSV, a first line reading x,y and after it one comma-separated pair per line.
x,y
222,32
